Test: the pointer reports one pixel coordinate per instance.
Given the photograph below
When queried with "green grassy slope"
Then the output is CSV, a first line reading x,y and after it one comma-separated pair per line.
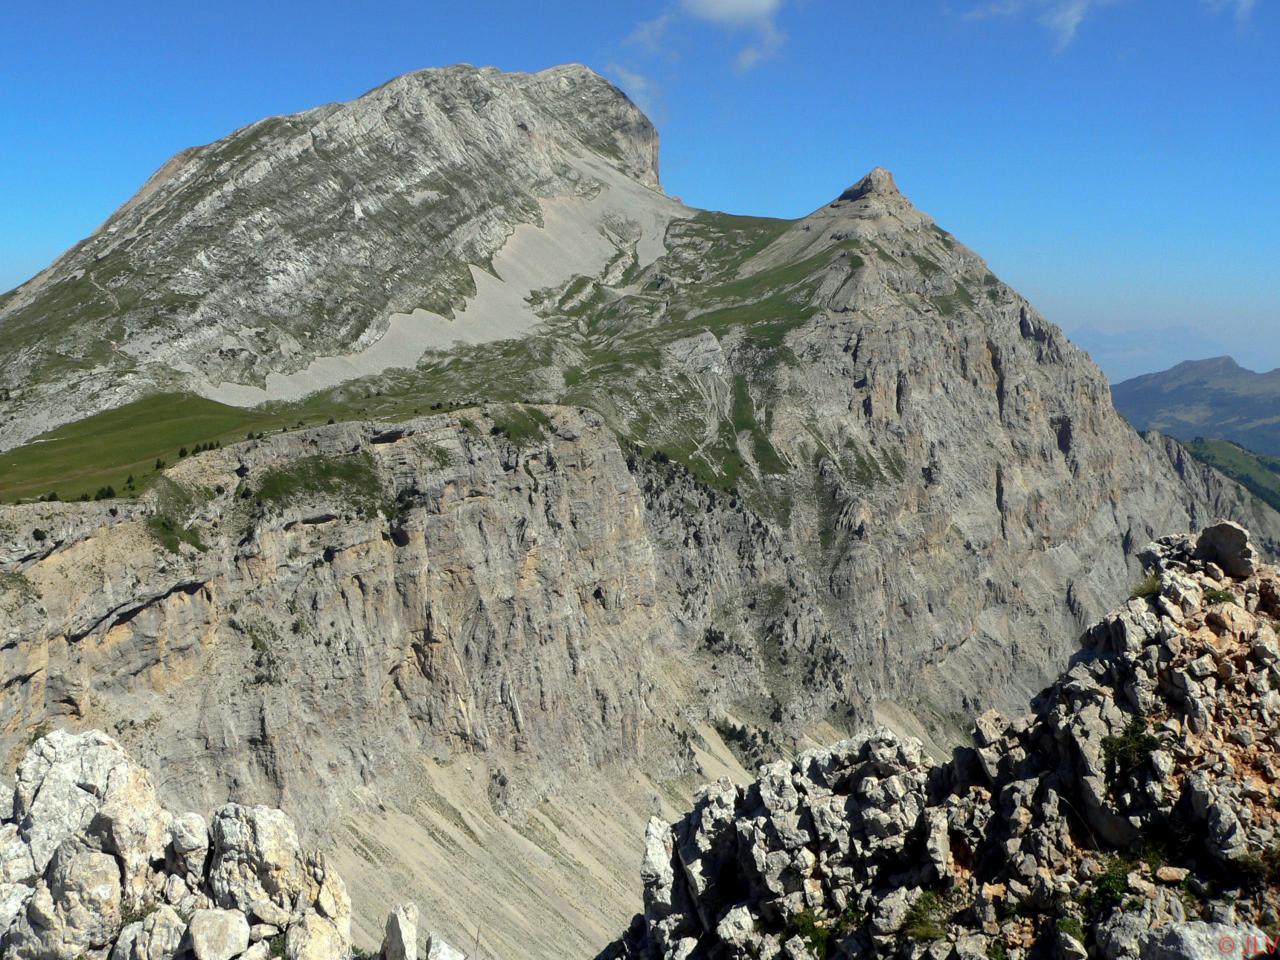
x,y
1258,473
105,449
605,348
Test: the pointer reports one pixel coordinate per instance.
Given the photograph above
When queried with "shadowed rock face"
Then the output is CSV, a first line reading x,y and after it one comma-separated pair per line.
x,y
775,481
878,183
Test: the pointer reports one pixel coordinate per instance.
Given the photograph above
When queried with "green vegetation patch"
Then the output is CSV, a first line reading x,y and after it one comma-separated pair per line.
x,y
757,286
102,451
744,420
1108,889
521,425
1072,927
926,917
1257,473
733,239
1260,869
1148,588
949,304
265,643
351,479
820,934
171,523
16,590
1125,754
926,265
170,534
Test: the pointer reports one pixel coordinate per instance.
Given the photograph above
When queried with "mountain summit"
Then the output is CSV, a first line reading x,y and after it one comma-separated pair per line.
x,y
878,183
291,254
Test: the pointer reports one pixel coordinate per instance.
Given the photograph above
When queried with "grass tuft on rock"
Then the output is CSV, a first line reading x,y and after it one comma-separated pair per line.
x,y
1148,588
924,920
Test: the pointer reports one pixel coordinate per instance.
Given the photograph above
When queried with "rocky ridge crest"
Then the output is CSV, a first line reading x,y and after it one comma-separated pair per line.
x,y
92,866
1132,815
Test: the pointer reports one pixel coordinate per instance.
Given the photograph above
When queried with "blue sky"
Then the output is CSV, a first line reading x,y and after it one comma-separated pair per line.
x,y
1116,160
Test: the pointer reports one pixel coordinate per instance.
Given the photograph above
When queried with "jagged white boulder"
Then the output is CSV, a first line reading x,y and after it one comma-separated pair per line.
x,y
189,842
13,900
439,949
218,934
62,782
131,825
117,854
400,942
156,937
316,938
256,857
15,855
1197,940
75,911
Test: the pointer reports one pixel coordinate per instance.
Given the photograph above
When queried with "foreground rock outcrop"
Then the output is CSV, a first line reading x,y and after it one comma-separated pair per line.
x,y
1134,814
92,866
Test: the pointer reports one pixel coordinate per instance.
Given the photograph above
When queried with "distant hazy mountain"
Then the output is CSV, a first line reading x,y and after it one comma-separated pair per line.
x,y
1206,398
1123,354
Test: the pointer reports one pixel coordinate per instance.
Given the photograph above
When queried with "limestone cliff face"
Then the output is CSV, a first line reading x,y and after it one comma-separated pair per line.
x,y
299,237
351,597
490,618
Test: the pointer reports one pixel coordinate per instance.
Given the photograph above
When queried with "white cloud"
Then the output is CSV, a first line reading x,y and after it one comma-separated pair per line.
x,y
734,12
997,8
767,45
1064,17
754,17
1242,8
650,34
640,88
